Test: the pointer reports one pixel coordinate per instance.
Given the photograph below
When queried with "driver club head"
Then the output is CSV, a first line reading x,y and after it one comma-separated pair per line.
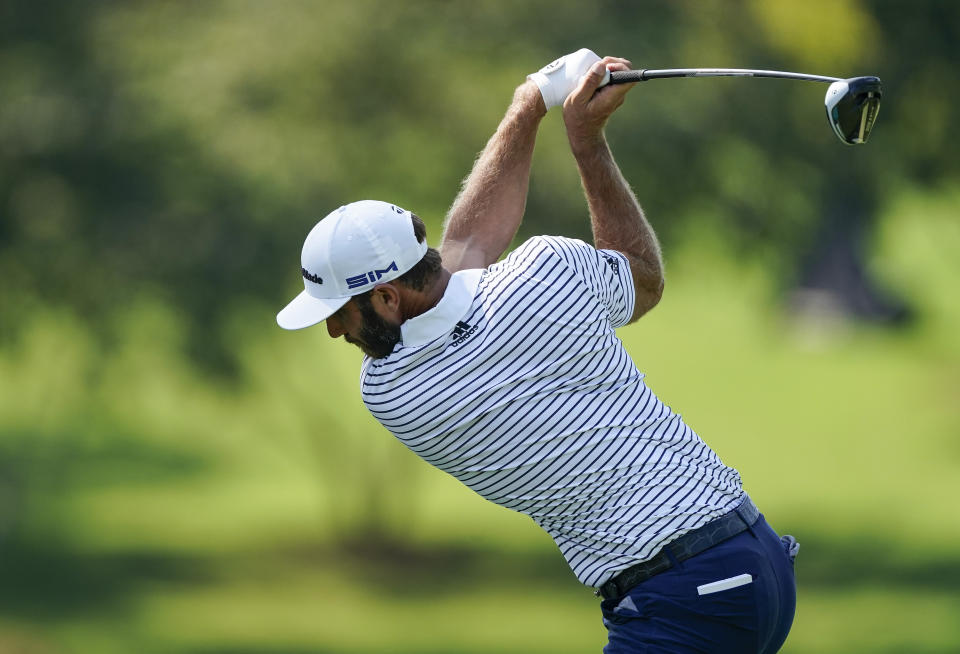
x,y
852,107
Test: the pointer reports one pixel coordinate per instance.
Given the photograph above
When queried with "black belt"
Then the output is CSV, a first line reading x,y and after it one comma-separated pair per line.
x,y
688,545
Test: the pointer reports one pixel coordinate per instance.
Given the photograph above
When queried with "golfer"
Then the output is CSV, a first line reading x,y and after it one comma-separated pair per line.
x,y
508,374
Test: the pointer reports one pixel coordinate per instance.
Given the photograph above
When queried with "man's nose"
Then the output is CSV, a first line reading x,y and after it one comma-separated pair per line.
x,y
334,327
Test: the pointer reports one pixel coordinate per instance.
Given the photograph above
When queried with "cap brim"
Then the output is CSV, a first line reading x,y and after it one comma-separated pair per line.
x,y
306,310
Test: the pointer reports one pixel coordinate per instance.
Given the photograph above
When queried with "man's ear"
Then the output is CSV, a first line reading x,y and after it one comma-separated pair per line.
x,y
387,299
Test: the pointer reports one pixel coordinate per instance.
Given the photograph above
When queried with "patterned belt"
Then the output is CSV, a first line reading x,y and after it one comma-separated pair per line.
x,y
681,549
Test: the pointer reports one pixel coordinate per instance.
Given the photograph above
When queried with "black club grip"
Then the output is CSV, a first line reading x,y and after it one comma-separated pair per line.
x,y
626,76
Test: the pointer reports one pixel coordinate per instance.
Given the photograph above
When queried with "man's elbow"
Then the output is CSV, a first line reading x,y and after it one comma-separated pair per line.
x,y
648,296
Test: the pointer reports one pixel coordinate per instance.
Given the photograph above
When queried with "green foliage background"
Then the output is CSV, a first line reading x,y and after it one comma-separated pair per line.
x,y
178,475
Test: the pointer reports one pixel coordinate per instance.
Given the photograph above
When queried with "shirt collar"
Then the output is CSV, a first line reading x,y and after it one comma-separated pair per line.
x,y
439,320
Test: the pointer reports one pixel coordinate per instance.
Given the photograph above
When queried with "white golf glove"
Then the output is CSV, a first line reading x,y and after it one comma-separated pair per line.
x,y
557,79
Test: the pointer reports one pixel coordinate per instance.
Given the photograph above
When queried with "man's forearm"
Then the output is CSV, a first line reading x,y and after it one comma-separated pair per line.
x,y
617,220
487,213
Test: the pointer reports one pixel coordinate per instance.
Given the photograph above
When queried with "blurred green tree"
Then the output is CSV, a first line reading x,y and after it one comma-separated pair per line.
x,y
182,150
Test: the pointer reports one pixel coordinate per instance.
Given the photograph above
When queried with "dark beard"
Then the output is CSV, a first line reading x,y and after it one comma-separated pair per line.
x,y
377,337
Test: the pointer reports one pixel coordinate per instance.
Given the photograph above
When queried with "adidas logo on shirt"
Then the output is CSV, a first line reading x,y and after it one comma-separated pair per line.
x,y
612,262
462,332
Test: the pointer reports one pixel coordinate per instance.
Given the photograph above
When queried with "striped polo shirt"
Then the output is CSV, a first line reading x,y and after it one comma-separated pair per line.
x,y
516,384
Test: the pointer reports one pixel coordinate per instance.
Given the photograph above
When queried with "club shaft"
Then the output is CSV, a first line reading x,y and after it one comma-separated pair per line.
x,y
626,76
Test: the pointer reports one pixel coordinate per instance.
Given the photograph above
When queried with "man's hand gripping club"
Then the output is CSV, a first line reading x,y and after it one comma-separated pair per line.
x,y
561,76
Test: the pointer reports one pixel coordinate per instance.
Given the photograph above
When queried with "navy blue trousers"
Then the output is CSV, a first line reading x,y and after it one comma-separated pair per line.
x,y
668,614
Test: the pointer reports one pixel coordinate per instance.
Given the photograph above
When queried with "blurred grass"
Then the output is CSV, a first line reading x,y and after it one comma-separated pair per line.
x,y
145,507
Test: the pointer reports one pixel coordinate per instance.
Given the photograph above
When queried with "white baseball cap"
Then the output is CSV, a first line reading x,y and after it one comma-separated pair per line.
x,y
349,252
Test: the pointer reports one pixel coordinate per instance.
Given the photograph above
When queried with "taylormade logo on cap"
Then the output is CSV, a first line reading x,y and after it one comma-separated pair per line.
x,y
350,251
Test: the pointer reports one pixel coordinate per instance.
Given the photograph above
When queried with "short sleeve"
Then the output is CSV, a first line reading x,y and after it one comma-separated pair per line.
x,y
605,273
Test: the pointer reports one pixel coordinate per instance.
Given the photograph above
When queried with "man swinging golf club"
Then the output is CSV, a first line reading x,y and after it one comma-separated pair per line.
x,y
509,376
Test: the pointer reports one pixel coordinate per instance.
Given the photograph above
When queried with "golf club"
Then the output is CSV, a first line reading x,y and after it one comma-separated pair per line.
x,y
852,104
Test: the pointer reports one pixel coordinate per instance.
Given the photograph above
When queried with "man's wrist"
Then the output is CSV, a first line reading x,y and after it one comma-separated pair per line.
x,y
529,98
587,144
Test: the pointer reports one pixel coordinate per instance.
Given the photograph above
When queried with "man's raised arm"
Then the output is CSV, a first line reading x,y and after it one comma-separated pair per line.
x,y
487,213
616,218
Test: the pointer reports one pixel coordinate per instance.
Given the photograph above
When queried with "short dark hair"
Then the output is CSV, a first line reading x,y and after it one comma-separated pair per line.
x,y
428,267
